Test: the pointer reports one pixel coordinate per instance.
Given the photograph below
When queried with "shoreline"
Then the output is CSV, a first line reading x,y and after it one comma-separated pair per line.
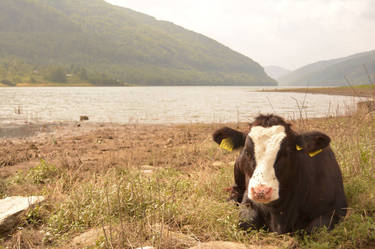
x,y
357,91
36,130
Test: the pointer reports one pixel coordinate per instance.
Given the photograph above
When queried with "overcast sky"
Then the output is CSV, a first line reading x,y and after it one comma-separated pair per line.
x,y
286,33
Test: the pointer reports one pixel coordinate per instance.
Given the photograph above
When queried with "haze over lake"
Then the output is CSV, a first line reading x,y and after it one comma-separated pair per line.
x,y
156,105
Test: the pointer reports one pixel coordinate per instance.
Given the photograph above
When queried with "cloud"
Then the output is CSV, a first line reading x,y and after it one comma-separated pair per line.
x,y
369,11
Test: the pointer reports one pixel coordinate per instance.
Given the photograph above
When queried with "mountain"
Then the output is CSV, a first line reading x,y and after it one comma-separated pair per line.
x,y
356,69
276,72
97,39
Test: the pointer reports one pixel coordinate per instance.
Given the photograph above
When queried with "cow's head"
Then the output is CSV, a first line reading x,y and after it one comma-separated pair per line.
x,y
269,148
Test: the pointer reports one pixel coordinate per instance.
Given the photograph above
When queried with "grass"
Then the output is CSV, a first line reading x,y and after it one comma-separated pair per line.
x,y
357,90
97,180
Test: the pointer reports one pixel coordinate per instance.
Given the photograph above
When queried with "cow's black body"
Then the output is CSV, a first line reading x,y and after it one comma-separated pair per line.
x,y
311,188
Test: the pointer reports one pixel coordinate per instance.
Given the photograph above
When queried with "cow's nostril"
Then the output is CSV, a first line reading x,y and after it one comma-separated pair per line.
x,y
267,190
252,191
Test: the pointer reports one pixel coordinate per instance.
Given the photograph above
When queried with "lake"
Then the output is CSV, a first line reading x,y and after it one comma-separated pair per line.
x,y
156,105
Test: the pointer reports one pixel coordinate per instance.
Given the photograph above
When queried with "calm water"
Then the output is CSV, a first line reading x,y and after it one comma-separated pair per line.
x,y
161,104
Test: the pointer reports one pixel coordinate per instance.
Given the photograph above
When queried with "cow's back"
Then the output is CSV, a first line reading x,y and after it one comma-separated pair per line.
x,y
321,185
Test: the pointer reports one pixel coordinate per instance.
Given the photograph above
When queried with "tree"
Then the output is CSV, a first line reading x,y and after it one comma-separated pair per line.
x,y
56,75
8,82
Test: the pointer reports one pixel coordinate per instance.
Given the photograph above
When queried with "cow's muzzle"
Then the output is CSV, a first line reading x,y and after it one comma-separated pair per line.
x,y
261,193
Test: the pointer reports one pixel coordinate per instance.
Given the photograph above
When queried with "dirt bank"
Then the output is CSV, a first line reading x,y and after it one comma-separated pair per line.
x,y
345,91
24,146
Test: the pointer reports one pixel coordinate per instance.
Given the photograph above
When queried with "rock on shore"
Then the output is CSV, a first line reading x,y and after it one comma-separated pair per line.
x,y
12,207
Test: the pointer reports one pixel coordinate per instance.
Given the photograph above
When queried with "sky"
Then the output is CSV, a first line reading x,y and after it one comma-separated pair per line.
x,y
286,33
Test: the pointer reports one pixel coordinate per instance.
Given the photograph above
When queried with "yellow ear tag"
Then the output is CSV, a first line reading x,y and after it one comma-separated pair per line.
x,y
312,154
227,144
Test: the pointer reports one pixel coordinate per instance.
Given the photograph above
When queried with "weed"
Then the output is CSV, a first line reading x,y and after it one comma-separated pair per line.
x,y
3,188
42,173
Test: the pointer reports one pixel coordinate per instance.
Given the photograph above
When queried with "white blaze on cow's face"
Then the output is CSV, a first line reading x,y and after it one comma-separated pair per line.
x,y
267,142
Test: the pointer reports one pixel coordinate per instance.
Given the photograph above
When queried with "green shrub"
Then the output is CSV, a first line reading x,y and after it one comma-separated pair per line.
x,y
42,173
8,82
56,75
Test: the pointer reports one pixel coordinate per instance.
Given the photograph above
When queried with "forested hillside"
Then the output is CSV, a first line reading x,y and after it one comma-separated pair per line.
x,y
93,41
355,69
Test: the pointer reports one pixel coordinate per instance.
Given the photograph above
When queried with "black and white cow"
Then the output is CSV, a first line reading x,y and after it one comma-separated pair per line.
x,y
284,181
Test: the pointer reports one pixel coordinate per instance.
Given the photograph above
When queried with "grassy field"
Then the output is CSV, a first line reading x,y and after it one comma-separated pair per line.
x,y
165,186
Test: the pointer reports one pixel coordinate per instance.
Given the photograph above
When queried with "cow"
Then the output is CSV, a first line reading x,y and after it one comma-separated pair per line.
x,y
285,182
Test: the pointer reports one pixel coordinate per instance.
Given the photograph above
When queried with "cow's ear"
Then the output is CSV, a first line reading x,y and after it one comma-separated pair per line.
x,y
231,137
312,141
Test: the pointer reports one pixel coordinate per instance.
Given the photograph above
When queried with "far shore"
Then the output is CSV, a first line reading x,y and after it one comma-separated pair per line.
x,y
367,91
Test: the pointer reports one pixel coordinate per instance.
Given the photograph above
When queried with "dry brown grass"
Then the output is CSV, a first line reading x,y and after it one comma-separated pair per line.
x,y
357,91
96,179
